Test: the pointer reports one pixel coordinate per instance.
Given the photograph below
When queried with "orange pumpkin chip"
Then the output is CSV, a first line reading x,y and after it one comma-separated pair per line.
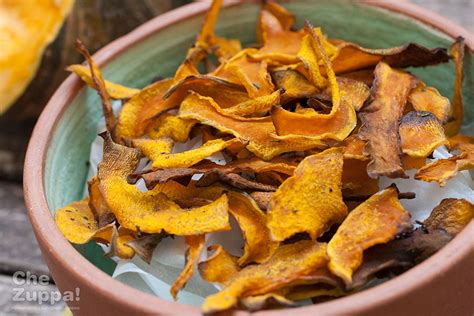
x,y
118,245
290,265
380,121
258,245
377,220
420,134
168,125
258,132
116,91
311,200
78,224
424,98
444,169
220,266
97,204
153,212
194,245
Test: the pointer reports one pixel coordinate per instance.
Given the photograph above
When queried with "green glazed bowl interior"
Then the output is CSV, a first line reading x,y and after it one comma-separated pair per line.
x,y
160,54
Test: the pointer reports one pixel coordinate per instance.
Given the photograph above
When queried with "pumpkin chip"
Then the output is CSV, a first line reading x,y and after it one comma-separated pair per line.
x,y
256,303
78,224
234,180
141,108
451,215
258,245
187,158
116,91
338,123
99,83
194,245
258,132
352,57
420,134
444,169
153,147
152,212
255,107
424,98
220,267
295,85
97,204
457,108
145,245
290,265
311,200
168,125
118,246
352,91
377,220
380,121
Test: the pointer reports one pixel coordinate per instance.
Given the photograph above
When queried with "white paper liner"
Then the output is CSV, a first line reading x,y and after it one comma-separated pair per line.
x,y
168,258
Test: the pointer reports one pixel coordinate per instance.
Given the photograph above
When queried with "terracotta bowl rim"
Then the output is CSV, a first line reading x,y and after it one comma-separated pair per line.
x,y
71,261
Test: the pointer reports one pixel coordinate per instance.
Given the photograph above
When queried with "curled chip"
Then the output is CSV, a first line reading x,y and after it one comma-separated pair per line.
x,y
338,123
194,245
97,204
153,147
118,245
377,220
352,57
290,265
451,215
420,134
258,244
77,223
380,121
444,169
258,132
256,107
116,91
220,266
187,158
145,245
424,98
457,108
311,200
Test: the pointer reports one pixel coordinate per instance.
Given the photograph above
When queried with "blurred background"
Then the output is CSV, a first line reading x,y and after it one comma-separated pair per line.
x,y
96,23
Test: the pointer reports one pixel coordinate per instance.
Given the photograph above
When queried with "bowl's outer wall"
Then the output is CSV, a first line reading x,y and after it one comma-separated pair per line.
x,y
65,168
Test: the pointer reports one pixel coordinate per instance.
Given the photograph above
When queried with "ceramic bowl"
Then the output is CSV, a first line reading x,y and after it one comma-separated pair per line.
x,y
56,162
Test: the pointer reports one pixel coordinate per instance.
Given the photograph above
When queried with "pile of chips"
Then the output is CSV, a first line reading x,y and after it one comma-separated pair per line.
x,y
307,125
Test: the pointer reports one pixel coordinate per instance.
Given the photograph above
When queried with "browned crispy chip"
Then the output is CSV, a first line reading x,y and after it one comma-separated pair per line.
x,y
311,200
258,132
118,245
220,266
444,169
97,204
194,244
457,108
256,303
234,180
99,83
451,215
256,107
352,57
262,199
380,121
424,98
259,246
420,134
290,265
145,245
377,220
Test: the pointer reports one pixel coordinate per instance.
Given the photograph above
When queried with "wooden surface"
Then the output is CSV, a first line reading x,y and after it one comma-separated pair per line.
x,y
18,248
